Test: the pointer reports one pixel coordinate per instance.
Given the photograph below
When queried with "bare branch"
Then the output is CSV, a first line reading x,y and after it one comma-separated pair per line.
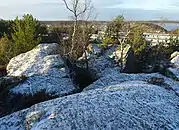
x,y
83,9
87,5
68,6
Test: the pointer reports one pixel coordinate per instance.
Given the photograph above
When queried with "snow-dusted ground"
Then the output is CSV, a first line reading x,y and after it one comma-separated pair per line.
x,y
53,85
174,71
113,77
128,105
114,101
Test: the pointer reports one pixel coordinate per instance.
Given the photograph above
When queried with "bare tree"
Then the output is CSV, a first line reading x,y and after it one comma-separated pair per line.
x,y
122,42
78,8
119,31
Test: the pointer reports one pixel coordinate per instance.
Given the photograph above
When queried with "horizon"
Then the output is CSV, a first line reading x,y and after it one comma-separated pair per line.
x,y
105,10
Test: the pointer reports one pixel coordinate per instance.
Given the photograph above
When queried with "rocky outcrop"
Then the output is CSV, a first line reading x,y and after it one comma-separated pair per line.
x,y
116,55
114,77
126,105
46,77
41,60
99,59
175,59
44,69
114,101
131,65
102,59
174,70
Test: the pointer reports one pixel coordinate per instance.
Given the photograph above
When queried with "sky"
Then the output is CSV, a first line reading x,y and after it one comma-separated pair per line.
x,y
103,9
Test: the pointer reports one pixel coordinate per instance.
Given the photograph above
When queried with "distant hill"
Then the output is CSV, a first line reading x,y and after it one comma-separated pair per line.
x,y
148,26
157,21
58,23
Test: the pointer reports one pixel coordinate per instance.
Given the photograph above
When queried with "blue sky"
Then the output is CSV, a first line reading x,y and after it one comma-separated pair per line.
x,y
106,9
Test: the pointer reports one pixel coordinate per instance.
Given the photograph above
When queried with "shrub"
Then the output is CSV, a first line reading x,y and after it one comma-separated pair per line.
x,y
6,50
106,41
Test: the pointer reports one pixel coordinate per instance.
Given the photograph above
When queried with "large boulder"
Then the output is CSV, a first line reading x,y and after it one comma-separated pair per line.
x,y
175,59
99,59
174,70
44,69
116,55
174,56
128,105
45,77
41,60
113,77
102,59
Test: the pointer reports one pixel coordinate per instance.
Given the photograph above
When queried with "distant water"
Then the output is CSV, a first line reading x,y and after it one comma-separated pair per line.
x,y
169,26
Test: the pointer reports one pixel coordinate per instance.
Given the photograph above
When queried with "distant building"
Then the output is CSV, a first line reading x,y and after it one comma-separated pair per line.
x,y
155,38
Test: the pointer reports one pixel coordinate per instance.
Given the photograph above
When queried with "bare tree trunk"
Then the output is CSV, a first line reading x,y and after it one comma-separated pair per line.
x,y
86,59
74,36
122,52
122,43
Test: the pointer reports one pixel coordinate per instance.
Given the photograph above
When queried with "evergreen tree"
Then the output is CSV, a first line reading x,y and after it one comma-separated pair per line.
x,y
5,28
6,50
137,40
25,34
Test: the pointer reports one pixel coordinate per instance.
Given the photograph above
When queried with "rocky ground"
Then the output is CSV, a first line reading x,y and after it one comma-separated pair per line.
x,y
114,101
42,76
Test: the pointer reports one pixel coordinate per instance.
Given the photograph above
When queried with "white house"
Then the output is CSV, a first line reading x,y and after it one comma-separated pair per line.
x,y
155,38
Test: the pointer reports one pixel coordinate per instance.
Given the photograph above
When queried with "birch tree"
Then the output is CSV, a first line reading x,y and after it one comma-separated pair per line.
x,y
119,31
78,8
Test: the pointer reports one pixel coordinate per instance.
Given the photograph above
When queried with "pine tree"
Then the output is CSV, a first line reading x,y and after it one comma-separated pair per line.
x,y
25,34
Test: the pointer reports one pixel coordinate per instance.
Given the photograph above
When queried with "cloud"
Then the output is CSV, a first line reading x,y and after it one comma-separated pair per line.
x,y
107,9
166,5
41,9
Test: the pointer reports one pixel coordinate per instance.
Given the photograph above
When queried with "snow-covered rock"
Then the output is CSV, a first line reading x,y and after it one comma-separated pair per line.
x,y
173,55
175,61
102,60
41,60
174,70
44,69
127,105
114,77
45,77
98,65
95,49
117,54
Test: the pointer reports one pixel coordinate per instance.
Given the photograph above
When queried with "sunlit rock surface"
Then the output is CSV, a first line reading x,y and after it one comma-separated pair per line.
x,y
127,105
115,101
113,77
44,69
36,76
41,60
175,62
175,59
100,59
